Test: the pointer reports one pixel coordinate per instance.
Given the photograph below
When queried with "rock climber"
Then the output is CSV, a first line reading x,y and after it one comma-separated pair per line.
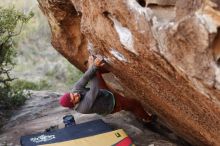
x,y
98,99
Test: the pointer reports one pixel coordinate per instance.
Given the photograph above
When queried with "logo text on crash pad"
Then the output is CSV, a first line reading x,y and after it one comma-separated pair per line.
x,y
42,138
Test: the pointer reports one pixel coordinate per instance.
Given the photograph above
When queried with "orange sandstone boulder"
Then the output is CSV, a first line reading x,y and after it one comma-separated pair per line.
x,y
163,53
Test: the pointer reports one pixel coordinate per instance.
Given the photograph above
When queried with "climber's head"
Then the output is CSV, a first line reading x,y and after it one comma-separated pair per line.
x,y
69,99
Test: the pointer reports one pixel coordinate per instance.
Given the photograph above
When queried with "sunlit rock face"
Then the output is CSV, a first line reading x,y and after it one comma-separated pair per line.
x,y
163,53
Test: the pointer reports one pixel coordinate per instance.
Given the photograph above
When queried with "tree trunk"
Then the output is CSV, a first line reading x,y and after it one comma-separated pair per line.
x,y
165,53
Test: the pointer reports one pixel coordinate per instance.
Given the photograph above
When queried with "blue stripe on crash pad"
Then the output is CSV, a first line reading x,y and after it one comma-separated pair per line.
x,y
67,133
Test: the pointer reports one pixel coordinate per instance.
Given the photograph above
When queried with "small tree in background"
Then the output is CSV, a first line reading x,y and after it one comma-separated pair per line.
x,y
11,22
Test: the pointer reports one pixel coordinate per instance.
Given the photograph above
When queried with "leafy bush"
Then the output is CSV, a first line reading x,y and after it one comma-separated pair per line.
x,y
23,84
11,22
27,85
43,84
73,75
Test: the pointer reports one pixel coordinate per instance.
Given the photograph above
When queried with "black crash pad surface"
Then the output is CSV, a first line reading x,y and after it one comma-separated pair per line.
x,y
67,133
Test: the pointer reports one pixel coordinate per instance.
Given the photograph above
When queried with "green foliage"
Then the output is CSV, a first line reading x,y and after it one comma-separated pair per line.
x,y
73,75
23,84
11,22
10,98
17,98
27,85
43,84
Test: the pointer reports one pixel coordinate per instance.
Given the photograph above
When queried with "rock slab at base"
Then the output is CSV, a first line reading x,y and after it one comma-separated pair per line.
x,y
42,110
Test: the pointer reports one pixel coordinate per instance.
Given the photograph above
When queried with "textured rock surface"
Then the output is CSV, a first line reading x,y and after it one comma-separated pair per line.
x,y
42,111
165,52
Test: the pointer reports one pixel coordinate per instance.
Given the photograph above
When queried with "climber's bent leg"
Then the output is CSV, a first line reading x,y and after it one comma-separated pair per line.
x,y
102,84
132,105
